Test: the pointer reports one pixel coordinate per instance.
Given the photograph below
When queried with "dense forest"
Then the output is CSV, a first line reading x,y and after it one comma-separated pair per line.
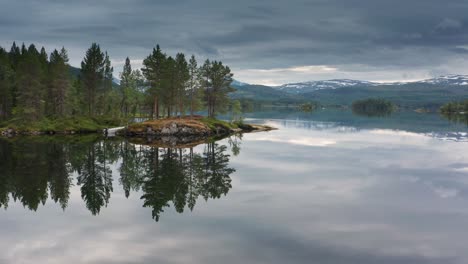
x,y
35,85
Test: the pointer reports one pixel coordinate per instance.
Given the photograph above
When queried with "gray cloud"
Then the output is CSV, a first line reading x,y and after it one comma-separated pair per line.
x,y
417,37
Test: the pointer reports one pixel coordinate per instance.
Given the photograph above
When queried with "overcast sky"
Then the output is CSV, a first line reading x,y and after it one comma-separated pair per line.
x,y
268,42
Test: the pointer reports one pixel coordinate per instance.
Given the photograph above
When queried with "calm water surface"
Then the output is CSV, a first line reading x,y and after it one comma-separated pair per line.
x,y
325,188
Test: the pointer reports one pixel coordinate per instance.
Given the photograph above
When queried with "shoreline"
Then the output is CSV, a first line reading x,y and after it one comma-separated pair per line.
x,y
196,127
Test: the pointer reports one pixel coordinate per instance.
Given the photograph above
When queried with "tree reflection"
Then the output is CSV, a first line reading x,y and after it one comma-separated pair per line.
x,y
181,176
33,170
456,118
95,178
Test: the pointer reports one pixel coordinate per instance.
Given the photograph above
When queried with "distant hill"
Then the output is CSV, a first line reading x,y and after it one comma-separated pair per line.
x,y
75,72
261,93
431,93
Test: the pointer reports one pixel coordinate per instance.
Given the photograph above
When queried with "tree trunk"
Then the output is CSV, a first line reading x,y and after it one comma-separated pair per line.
x,y
156,107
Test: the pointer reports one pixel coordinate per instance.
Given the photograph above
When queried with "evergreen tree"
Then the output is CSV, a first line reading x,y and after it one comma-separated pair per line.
x,y
15,54
152,70
125,85
6,85
168,82
193,83
93,69
182,76
59,83
216,81
30,76
106,95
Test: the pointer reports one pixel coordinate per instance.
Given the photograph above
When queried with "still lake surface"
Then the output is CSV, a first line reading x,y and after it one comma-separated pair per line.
x,y
327,187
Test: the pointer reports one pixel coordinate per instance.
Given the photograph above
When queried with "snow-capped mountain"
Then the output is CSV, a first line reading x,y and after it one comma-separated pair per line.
x,y
448,80
305,87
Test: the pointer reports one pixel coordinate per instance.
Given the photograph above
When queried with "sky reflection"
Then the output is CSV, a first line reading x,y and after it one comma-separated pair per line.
x,y
298,196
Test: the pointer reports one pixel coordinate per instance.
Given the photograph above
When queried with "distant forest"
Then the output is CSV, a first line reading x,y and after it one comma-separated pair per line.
x,y
35,85
455,107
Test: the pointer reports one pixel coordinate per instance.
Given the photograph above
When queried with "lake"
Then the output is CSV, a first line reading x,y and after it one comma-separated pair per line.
x,y
326,187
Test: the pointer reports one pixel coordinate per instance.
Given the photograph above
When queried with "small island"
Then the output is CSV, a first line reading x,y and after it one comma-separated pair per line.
x,y
41,93
456,111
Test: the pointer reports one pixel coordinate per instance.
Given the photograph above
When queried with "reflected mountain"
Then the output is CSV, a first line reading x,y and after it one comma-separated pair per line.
x,y
33,170
400,120
339,128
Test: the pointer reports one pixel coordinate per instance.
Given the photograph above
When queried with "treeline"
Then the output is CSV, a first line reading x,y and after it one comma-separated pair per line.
x,y
455,107
159,176
36,85
456,111
176,85
373,107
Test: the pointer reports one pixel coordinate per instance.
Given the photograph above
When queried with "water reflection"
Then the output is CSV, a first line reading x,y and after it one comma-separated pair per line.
x,y
36,169
180,176
457,118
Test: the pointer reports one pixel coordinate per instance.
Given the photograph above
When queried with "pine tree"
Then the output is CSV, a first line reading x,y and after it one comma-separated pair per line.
x,y
106,95
168,82
6,85
193,83
14,55
125,86
59,83
216,80
92,71
181,78
30,76
153,67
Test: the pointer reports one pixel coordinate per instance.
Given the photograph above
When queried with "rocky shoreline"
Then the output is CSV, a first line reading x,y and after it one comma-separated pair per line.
x,y
169,128
176,127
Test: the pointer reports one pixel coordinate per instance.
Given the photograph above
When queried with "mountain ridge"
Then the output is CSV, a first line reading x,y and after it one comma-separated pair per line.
x,y
311,86
428,94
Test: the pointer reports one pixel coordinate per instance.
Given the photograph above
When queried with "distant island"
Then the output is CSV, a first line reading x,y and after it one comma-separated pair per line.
x,y
456,111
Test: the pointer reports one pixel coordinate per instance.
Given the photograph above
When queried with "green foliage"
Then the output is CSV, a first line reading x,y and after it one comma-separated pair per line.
x,y
213,123
236,111
59,84
63,124
162,176
216,82
93,69
456,111
30,76
308,107
36,88
455,107
373,107
6,85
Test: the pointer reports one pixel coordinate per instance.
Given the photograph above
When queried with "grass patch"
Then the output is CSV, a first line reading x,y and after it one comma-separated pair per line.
x,y
213,123
77,124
